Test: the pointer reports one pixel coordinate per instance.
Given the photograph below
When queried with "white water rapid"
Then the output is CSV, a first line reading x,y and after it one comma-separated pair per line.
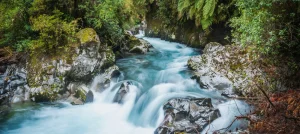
x,y
157,76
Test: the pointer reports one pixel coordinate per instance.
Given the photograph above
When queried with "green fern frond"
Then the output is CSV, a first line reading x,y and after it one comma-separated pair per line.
x,y
199,4
192,12
214,4
207,9
206,22
183,5
198,20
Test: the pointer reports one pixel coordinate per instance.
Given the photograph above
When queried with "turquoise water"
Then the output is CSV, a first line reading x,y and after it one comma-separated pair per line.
x,y
158,76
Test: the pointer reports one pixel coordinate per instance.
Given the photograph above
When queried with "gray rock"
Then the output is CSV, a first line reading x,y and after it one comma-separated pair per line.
x,y
141,48
77,102
74,101
187,115
1,84
225,68
16,83
123,90
89,97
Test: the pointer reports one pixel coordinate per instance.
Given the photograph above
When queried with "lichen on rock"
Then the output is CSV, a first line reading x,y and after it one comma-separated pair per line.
x,y
226,68
87,35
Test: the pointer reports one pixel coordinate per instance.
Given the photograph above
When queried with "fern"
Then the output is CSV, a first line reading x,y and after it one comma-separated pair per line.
x,y
183,4
207,9
205,23
202,11
192,12
199,4
211,12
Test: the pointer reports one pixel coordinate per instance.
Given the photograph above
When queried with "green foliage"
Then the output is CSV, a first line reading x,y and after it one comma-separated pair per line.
x,y
272,29
48,26
271,25
202,11
54,33
110,18
15,30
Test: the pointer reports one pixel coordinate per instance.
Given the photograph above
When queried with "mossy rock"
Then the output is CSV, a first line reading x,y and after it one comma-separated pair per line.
x,y
81,94
87,35
110,59
136,50
44,96
133,41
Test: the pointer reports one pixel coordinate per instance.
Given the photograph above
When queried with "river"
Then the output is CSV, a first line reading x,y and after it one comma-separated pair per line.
x,y
158,76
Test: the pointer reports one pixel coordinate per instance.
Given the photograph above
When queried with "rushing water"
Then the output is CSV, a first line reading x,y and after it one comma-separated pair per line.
x,y
158,76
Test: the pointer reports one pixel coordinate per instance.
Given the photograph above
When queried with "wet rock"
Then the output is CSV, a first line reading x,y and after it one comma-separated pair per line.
x,y
16,83
105,78
187,115
74,101
22,75
138,46
89,97
123,90
80,94
44,96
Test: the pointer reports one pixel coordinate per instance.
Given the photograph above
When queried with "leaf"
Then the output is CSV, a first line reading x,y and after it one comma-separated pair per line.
x,y
208,8
206,22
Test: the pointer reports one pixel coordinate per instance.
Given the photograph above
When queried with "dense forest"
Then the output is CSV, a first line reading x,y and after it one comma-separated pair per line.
x,y
268,31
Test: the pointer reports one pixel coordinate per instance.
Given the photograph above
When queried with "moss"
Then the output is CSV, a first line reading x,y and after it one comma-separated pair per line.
x,y
87,35
133,41
61,78
46,96
80,93
110,59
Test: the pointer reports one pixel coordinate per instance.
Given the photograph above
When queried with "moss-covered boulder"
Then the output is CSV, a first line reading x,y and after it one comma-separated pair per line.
x,y
138,46
92,57
80,94
46,78
87,35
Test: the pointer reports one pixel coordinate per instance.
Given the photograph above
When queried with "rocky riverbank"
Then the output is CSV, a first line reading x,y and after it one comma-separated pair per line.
x,y
44,79
228,69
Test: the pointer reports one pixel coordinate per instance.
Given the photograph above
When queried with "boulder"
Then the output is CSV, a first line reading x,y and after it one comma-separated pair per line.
x,y
206,72
228,69
74,101
80,93
89,97
88,35
187,115
123,90
104,79
138,46
88,59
